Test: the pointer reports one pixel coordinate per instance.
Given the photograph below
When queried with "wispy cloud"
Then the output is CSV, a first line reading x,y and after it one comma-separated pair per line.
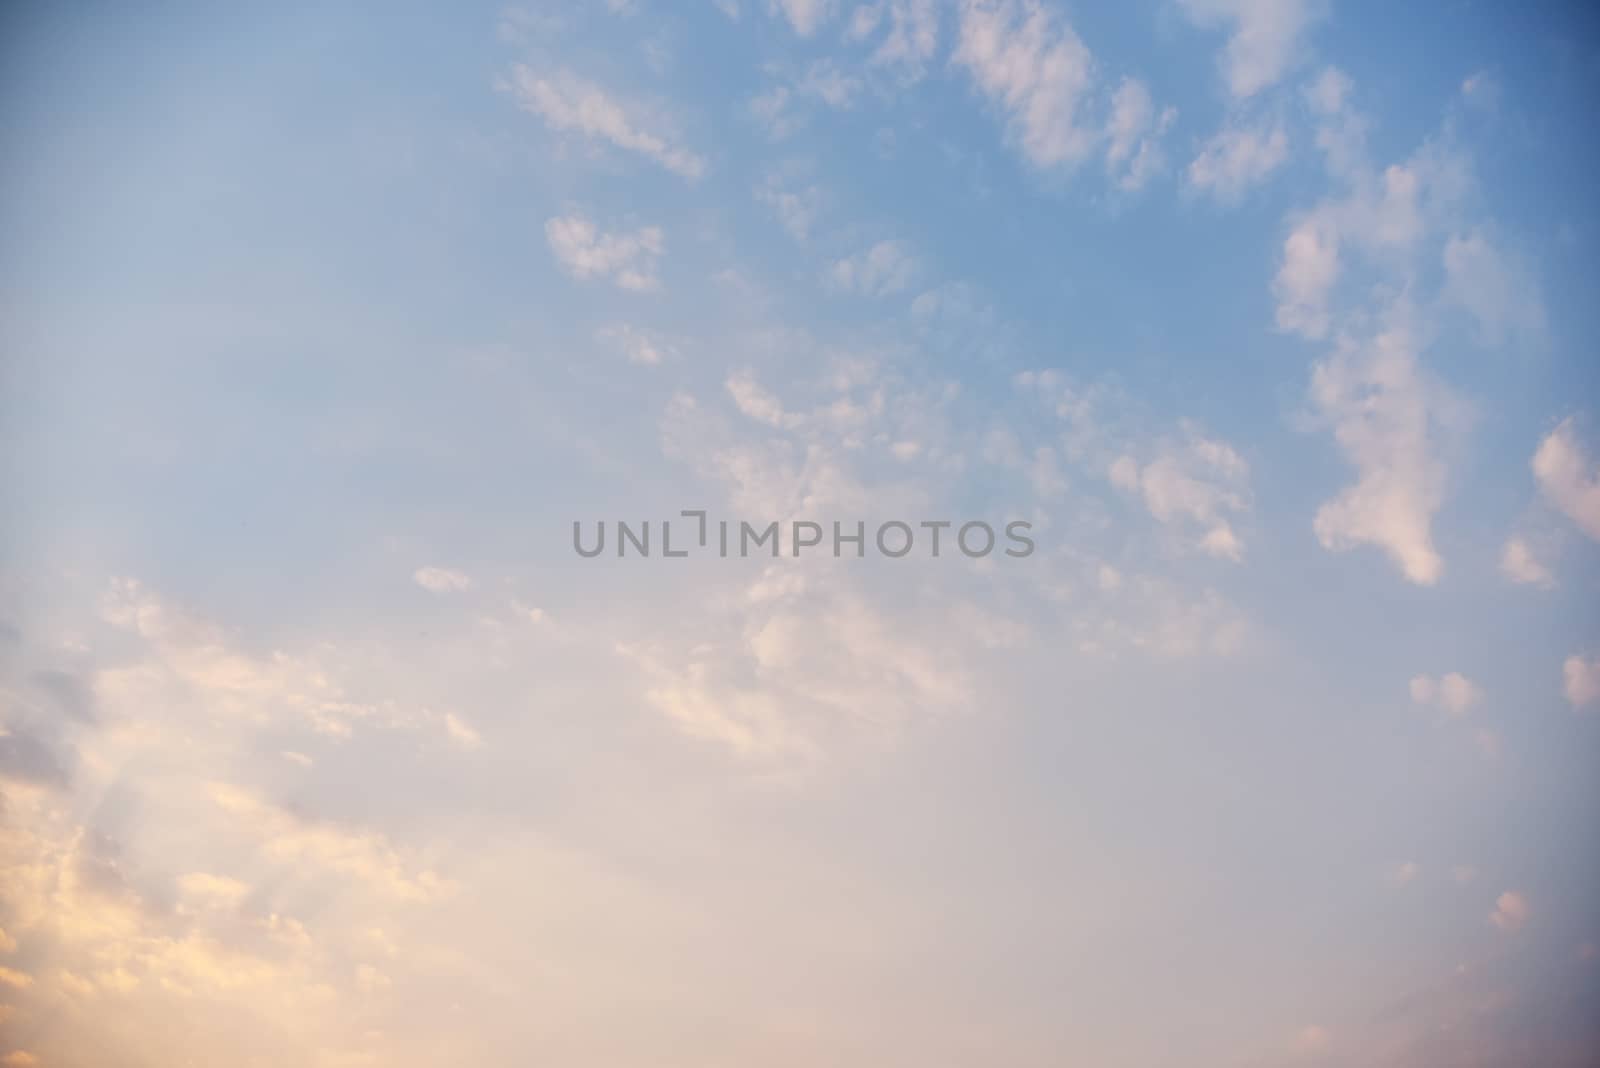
x,y
629,259
571,104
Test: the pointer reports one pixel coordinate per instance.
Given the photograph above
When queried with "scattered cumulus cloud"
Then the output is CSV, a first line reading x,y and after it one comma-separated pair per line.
x,y
628,259
882,270
1240,156
1498,294
795,205
1264,37
805,16
1030,63
1133,133
571,104
1200,482
1520,564
1580,679
1569,477
441,580
643,347
1511,911
1454,693
911,33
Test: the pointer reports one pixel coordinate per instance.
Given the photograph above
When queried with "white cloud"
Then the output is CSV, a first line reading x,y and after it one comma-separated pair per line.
x,y
911,38
1385,414
1494,291
1391,418
1569,478
779,108
796,208
1306,276
1033,65
805,16
834,87
881,270
441,580
1238,157
1454,693
461,733
642,347
1580,680
1133,132
1263,40
1198,483
1481,89
1519,563
211,891
1511,911
628,259
571,104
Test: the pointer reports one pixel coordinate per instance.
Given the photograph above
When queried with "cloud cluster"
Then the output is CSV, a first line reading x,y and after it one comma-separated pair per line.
x,y
570,104
628,259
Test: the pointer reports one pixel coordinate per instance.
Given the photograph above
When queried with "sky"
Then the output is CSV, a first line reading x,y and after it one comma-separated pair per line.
x,y
321,326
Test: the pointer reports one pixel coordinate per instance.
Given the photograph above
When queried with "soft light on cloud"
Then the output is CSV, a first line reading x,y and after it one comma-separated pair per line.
x,y
1511,911
1569,477
626,258
568,103
441,580
1264,37
1031,64
1580,680
884,269
1453,693
1238,157
1519,563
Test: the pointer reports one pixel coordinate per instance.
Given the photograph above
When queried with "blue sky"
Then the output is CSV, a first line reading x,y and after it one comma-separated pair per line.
x,y
322,326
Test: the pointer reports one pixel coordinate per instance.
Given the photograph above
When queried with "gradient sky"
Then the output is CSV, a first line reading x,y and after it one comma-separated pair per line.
x,y
321,324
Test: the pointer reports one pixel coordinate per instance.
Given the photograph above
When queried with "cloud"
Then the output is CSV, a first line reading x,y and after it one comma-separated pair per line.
x,y
1238,157
441,580
912,35
834,87
461,733
24,757
312,850
1306,275
1264,37
1580,680
805,16
1519,564
1386,416
1133,132
1569,478
1394,421
642,347
884,269
1312,1040
1405,874
568,103
1022,57
796,208
629,259
1498,294
1199,483
1511,911
211,891
1454,693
